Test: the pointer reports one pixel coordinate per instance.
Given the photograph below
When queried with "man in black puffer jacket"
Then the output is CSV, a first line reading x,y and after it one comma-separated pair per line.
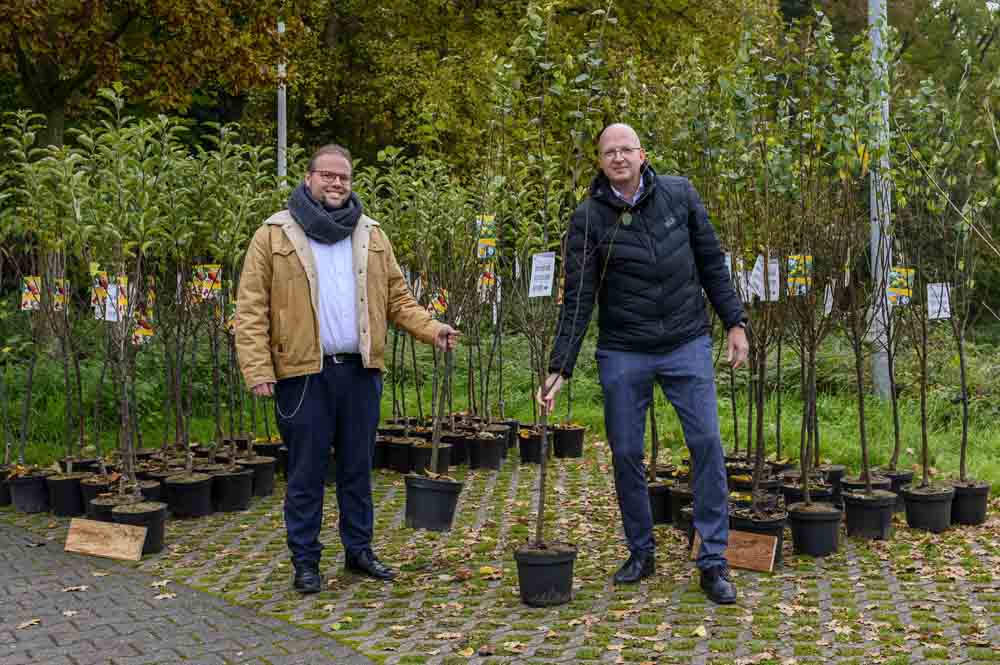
x,y
641,246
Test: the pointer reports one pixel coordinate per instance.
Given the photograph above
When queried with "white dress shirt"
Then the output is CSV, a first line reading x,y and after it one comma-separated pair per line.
x,y
338,315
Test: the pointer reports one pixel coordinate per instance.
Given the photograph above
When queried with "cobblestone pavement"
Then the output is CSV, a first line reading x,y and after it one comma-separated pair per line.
x,y
916,599
58,608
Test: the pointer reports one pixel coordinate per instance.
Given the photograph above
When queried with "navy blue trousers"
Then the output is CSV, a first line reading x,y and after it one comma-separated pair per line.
x,y
688,381
338,406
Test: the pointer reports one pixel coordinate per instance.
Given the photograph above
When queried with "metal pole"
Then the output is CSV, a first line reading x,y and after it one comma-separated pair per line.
x,y
282,118
880,204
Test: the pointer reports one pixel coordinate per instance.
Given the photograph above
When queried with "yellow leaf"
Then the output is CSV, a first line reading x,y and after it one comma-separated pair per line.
x,y
700,631
487,570
466,653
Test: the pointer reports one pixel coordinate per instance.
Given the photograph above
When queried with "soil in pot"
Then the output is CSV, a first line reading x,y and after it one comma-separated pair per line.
x,y
529,442
567,440
232,489
150,514
65,496
398,454
389,429
29,494
431,502
151,490
189,495
970,502
899,480
545,573
869,516
815,528
929,508
770,522
780,466
420,458
681,496
162,474
100,508
659,503
263,473
745,484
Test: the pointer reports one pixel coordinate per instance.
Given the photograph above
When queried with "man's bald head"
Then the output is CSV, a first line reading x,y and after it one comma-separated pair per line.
x,y
621,156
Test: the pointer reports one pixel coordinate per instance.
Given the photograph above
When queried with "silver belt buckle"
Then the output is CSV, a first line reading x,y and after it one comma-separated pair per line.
x,y
335,360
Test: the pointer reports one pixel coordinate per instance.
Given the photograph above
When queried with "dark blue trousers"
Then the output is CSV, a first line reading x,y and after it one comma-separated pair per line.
x,y
338,406
688,381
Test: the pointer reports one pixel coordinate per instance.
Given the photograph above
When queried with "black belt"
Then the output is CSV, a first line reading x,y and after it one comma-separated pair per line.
x,y
338,358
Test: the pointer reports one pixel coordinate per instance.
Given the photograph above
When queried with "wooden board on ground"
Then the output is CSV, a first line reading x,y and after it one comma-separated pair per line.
x,y
114,541
750,551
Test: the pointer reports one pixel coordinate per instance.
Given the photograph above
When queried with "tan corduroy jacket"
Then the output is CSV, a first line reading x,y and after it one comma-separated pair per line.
x,y
277,328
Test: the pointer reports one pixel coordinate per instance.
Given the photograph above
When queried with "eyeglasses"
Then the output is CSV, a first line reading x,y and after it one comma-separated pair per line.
x,y
624,152
332,176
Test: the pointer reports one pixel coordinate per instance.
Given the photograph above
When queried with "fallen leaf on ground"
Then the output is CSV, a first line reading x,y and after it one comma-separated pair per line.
x,y
486,650
100,573
448,636
700,631
71,589
160,584
466,653
165,596
69,613
28,624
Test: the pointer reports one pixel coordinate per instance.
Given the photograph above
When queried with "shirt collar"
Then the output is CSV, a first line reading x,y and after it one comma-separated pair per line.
x,y
635,197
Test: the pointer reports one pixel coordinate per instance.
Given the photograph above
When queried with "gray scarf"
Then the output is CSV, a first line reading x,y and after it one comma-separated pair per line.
x,y
321,223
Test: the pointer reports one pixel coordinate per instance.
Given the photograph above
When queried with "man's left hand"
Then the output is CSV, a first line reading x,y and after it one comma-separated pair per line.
x,y
738,347
447,338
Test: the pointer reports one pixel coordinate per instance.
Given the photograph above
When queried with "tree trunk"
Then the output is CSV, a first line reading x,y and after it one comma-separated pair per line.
x,y
417,383
960,341
736,415
26,410
777,406
655,451
897,444
859,377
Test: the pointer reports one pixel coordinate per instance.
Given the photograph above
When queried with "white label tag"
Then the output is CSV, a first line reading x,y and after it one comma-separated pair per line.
x,y
543,271
828,298
757,277
938,301
773,281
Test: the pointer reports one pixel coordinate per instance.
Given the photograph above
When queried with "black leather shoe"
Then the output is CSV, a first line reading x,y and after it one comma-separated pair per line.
x,y
366,563
638,566
307,578
718,585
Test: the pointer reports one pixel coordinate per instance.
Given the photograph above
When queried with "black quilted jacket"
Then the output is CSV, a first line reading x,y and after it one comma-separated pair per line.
x,y
645,265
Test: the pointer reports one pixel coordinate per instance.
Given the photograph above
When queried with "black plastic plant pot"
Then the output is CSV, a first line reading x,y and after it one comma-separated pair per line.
x,y
530,448
659,503
503,432
513,428
189,495
430,503
4,487
815,528
459,449
969,505
151,490
568,441
768,525
28,494
232,489
685,523
65,497
263,473
744,484
818,493
79,465
150,514
681,496
833,474
899,480
869,516
390,429
856,485
398,454
420,458
490,452
379,459
281,465
545,573
92,487
267,448
929,508
100,508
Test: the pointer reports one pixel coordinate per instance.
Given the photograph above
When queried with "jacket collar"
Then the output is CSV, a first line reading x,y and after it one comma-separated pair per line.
x,y
600,189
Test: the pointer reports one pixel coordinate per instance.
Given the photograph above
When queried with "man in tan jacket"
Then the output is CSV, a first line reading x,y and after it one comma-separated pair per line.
x,y
319,283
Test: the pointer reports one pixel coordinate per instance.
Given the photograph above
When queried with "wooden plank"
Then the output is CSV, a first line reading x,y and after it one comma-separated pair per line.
x,y
750,551
114,541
